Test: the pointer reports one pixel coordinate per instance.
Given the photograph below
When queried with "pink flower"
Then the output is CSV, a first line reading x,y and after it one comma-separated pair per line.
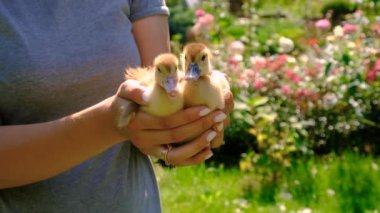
x,y
323,24
289,73
373,73
285,89
251,75
236,47
371,76
293,77
235,59
302,93
376,28
258,63
376,67
278,63
258,84
349,28
205,22
296,79
200,12
282,59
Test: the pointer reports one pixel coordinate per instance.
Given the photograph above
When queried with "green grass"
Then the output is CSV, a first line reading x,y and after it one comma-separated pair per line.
x,y
350,183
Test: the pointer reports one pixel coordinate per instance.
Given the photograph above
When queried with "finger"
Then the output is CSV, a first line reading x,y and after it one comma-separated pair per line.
x,y
132,90
179,134
218,127
190,149
229,102
146,121
200,157
218,141
154,151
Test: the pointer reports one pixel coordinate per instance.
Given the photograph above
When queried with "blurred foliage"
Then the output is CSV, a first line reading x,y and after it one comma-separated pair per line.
x,y
336,10
180,20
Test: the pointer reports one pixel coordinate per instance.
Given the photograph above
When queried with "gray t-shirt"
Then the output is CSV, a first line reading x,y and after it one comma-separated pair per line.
x,y
56,58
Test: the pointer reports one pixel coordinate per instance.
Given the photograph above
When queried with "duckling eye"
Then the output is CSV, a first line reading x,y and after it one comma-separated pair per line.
x,y
204,57
158,69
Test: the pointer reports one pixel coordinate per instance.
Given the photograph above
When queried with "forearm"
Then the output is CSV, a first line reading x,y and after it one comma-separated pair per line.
x,y
30,153
152,37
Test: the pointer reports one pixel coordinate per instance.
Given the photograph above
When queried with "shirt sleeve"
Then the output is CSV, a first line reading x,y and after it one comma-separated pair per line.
x,y
143,8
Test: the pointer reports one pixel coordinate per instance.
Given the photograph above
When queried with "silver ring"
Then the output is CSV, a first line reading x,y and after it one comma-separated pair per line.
x,y
164,153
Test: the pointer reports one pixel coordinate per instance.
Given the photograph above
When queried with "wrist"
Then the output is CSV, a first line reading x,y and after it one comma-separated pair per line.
x,y
122,111
96,123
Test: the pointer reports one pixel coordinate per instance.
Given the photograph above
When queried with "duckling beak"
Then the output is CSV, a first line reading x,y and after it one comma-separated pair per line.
x,y
193,72
170,86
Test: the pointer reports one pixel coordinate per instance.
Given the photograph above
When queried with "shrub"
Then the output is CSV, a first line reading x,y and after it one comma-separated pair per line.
x,y
296,98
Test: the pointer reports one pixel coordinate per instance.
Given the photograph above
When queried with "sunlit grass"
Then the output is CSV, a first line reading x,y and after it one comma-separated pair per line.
x,y
330,184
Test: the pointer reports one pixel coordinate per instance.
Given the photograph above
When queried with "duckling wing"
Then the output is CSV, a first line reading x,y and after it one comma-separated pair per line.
x,y
144,75
126,110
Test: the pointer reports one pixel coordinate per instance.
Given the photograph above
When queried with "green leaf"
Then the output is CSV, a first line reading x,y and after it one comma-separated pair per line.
x,y
269,117
257,101
352,90
328,68
239,105
346,58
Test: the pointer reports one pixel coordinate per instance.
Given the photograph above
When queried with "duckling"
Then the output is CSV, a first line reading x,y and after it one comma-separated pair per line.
x,y
203,86
164,90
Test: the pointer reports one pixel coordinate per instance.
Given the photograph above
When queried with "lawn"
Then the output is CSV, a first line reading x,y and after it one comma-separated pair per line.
x,y
348,183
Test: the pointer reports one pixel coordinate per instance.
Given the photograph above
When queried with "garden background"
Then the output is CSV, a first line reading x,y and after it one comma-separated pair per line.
x,y
305,131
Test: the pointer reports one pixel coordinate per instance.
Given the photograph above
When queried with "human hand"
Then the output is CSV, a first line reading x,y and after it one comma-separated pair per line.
x,y
219,127
151,134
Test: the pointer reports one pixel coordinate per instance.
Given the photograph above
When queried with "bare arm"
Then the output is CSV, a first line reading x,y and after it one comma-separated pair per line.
x,y
30,153
152,37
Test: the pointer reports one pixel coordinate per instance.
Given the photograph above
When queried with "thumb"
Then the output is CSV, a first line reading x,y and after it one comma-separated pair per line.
x,y
134,91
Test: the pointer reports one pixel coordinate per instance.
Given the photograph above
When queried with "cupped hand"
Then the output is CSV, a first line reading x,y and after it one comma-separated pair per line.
x,y
189,131
151,134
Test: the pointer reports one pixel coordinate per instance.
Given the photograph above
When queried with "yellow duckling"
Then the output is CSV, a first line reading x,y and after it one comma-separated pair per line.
x,y
203,86
164,90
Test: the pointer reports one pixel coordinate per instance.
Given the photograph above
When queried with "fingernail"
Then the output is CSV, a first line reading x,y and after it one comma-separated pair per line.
x,y
145,97
220,117
204,112
211,136
209,155
220,127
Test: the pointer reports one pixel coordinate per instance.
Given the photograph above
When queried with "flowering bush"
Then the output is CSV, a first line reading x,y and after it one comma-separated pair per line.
x,y
297,102
298,96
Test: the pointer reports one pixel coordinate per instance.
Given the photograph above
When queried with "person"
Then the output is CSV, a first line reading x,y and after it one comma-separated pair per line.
x,y
61,83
